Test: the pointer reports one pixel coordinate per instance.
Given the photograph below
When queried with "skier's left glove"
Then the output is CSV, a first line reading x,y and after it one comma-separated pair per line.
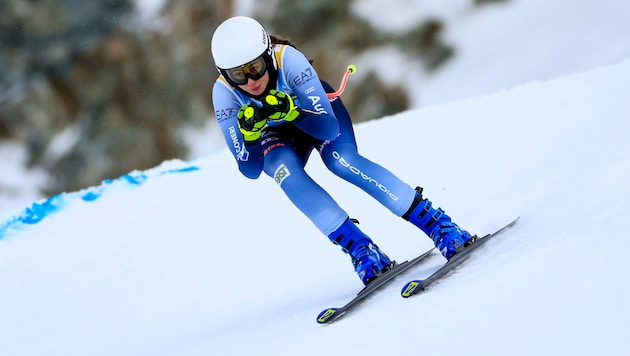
x,y
251,122
280,106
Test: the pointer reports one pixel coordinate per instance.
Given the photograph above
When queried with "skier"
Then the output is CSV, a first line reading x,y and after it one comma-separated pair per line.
x,y
273,111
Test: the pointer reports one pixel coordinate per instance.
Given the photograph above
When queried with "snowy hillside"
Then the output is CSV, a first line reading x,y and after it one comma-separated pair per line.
x,y
499,46
191,258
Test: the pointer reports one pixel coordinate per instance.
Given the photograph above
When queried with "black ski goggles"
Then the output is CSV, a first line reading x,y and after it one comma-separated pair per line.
x,y
254,69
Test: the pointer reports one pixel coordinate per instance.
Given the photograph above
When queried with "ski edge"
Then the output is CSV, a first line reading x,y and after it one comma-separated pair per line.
x,y
331,314
416,286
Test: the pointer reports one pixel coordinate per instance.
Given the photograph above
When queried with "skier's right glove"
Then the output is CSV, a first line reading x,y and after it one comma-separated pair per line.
x,y
280,106
251,121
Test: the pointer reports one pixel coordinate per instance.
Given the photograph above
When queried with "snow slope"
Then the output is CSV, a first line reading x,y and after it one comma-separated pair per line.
x,y
190,258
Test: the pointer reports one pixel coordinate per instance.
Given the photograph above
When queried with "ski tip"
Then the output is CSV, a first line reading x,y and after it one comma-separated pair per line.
x,y
509,225
514,221
326,315
410,288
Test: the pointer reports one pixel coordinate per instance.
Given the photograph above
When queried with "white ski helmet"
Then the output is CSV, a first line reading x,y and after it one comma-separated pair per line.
x,y
240,40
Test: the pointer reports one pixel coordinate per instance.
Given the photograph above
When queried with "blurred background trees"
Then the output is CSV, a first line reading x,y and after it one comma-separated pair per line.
x,y
94,91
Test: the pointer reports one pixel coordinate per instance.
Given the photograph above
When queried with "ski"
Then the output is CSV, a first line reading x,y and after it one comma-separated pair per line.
x,y
417,286
331,314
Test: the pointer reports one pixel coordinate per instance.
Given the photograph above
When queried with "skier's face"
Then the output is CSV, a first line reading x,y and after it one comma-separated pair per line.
x,y
256,87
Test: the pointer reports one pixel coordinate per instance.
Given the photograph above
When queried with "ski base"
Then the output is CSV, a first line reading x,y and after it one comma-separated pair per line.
x,y
332,314
417,286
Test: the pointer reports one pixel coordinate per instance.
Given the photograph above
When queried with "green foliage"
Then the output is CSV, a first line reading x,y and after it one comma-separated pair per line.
x,y
329,33
424,41
384,100
126,88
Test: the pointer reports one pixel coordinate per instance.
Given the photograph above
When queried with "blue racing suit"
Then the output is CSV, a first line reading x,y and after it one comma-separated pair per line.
x,y
284,147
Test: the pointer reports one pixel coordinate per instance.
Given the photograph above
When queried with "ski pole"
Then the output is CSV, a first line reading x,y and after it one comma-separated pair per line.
x,y
350,70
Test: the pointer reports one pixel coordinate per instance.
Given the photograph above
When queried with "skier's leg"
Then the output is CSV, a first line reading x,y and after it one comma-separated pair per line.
x,y
287,169
368,260
447,236
342,158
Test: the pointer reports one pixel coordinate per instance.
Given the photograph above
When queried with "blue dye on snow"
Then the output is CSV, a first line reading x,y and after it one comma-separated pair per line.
x,y
40,210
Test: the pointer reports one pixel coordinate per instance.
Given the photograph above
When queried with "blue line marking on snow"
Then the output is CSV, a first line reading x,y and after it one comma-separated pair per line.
x,y
40,210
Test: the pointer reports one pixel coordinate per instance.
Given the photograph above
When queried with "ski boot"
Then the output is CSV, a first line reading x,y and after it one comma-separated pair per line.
x,y
367,259
446,235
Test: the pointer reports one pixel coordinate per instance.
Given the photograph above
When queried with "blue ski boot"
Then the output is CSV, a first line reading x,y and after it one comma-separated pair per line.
x,y
366,257
446,235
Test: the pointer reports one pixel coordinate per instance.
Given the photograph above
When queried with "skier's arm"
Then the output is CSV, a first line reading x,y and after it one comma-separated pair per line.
x,y
248,154
316,115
